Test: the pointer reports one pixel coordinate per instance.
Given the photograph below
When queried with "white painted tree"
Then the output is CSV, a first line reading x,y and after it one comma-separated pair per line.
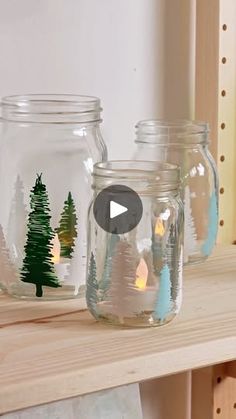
x,y
17,223
8,274
190,236
122,286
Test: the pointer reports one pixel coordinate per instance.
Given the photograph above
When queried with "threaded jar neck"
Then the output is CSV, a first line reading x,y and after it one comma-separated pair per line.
x,y
178,133
39,108
145,177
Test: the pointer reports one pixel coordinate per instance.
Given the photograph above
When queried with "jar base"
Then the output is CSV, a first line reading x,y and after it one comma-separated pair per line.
x,y
144,320
27,292
195,260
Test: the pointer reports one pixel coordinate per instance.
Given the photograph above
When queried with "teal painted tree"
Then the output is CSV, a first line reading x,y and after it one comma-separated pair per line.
x,y
67,230
92,286
209,243
38,267
106,277
163,302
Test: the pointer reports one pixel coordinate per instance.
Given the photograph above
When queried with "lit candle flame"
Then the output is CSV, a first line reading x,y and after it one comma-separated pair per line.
x,y
159,227
141,275
56,249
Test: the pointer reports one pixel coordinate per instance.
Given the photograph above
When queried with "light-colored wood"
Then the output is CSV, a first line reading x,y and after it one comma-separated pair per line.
x,y
47,355
156,395
202,394
207,66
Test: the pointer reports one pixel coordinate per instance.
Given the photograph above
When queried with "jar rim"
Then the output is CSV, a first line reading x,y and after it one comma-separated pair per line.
x,y
153,172
51,108
177,131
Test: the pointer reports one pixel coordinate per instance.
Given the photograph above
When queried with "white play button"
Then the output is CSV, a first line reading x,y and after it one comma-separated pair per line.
x,y
116,209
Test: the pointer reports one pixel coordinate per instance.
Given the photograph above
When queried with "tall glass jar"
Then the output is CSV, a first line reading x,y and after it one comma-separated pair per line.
x,y
185,143
48,147
135,278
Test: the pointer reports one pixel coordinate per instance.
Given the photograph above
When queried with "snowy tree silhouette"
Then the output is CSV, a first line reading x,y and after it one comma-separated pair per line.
x,y
106,276
92,286
8,275
16,232
38,267
122,282
190,237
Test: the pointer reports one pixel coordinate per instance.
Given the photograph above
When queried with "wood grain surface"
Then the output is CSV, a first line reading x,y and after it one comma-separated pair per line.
x,y
51,350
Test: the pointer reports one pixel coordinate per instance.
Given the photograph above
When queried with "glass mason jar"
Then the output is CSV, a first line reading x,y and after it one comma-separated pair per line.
x,y
48,147
135,278
185,143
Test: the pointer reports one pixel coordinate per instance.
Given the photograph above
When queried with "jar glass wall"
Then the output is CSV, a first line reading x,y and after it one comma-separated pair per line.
x,y
185,143
48,147
135,278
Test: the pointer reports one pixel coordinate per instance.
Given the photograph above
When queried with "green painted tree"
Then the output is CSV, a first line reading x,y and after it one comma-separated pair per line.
x,y
67,229
92,286
38,267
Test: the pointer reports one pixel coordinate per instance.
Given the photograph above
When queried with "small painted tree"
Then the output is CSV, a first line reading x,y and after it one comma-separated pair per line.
x,y
38,267
92,286
67,229
209,243
163,302
17,224
190,237
106,276
122,282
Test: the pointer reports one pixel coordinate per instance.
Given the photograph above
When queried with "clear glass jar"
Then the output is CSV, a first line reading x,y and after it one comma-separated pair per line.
x,y
135,279
185,143
48,147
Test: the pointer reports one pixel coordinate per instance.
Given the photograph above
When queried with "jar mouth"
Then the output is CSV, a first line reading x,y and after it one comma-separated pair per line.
x,y
166,176
176,132
54,108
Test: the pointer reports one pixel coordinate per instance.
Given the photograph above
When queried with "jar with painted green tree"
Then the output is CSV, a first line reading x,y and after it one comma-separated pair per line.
x,y
48,147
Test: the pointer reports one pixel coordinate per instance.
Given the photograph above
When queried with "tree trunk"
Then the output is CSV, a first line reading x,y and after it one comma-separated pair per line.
x,y
39,290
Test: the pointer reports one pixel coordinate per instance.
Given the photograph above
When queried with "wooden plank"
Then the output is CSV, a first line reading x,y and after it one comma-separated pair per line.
x,y
231,371
156,394
207,66
54,357
202,393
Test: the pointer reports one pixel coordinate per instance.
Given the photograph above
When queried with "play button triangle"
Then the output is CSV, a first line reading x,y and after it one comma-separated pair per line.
x,y
116,209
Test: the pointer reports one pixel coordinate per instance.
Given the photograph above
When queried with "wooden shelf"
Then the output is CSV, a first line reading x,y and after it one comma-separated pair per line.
x,y
51,351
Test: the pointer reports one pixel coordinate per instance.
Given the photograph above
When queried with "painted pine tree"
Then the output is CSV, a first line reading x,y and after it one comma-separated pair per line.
x,y
38,267
190,237
67,229
209,243
163,302
106,276
122,282
157,251
171,256
92,286
17,224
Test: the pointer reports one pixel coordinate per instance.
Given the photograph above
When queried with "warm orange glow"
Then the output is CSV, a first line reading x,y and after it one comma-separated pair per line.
x,y
141,275
56,249
159,227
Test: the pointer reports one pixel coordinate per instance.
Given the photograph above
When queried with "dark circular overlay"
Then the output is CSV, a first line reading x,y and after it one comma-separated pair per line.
x,y
121,198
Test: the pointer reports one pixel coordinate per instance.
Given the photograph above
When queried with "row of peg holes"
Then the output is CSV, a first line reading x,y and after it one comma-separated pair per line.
x,y
218,410
223,125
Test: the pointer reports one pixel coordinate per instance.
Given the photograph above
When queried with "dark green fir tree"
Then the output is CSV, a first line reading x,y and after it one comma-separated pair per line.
x,y
92,286
67,229
38,267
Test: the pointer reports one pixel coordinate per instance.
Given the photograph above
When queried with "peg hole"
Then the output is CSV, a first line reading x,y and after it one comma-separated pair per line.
x,y
223,93
224,60
222,158
222,125
222,190
222,223
224,27
234,405
218,410
219,379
